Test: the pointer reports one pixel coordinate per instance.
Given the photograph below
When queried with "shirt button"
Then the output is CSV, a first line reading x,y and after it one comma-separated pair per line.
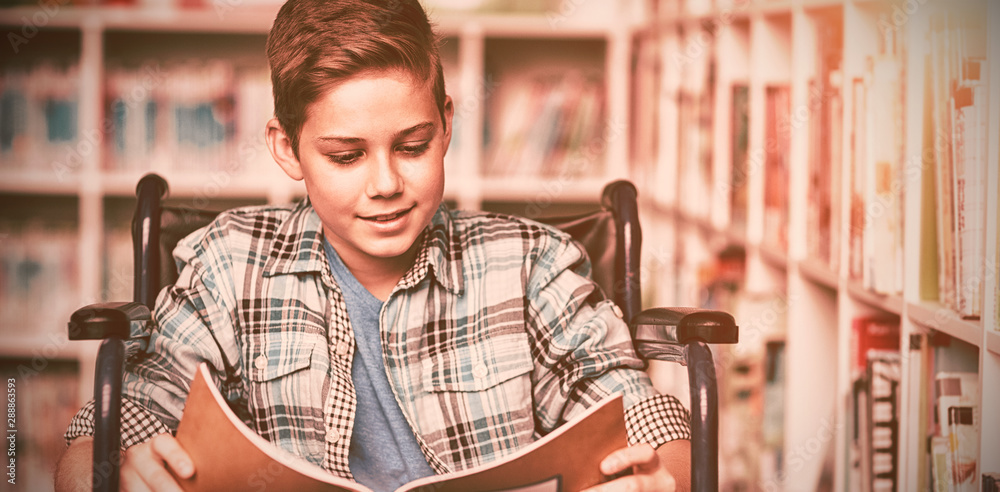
x,y
617,310
480,371
333,436
260,362
342,348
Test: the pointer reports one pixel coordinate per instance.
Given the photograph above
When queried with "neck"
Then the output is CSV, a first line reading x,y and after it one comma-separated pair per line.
x,y
379,275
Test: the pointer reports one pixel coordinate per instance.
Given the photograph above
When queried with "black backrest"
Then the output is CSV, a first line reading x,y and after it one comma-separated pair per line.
x,y
613,240
611,236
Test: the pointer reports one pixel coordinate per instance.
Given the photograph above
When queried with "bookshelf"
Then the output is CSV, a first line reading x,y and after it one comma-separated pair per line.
x,y
184,92
842,216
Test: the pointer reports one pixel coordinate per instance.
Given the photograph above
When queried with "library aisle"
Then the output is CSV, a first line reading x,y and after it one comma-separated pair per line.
x,y
826,170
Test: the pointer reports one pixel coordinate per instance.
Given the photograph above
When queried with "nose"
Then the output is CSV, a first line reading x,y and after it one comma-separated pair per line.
x,y
385,180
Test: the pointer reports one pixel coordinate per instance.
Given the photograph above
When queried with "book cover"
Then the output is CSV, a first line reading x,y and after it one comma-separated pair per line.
x,y
777,145
874,332
739,173
883,371
228,455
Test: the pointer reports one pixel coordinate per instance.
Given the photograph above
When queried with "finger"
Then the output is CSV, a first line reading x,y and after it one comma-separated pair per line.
x,y
130,481
642,455
149,470
170,451
634,483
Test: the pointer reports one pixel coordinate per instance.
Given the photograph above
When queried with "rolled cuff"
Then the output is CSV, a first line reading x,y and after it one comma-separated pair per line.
x,y
138,425
657,420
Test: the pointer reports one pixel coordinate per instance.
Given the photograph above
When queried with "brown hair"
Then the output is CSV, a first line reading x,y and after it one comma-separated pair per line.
x,y
313,44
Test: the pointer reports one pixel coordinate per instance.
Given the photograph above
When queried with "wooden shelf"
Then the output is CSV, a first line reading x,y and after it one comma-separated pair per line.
x,y
993,342
40,347
885,302
773,255
541,190
940,318
819,273
38,183
242,19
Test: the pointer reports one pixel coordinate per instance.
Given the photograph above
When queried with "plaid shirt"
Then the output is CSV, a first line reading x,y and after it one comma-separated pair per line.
x,y
494,337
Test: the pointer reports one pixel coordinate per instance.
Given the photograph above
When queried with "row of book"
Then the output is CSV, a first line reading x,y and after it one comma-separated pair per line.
x,y
772,160
167,116
187,116
947,416
957,96
39,286
44,394
877,172
39,107
553,126
825,125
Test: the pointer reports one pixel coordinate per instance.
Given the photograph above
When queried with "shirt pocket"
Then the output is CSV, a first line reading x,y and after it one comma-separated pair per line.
x,y
480,365
283,393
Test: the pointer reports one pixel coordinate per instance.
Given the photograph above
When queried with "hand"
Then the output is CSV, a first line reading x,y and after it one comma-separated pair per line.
x,y
147,466
665,469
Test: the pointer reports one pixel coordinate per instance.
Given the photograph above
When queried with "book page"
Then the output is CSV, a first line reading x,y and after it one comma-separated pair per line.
x,y
228,455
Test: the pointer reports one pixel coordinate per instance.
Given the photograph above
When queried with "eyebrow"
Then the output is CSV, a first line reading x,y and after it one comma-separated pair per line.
x,y
401,134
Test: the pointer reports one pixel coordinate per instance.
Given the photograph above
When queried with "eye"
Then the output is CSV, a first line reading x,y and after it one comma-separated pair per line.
x,y
345,158
413,150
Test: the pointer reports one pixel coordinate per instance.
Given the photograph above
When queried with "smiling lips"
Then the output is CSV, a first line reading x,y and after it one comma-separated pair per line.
x,y
387,217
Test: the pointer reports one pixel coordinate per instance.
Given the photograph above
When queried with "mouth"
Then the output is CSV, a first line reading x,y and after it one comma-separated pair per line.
x,y
388,217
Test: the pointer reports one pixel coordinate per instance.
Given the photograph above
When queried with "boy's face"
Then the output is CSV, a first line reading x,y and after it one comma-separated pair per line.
x,y
371,153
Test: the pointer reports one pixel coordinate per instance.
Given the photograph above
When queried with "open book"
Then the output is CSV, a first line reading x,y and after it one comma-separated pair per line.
x,y
228,455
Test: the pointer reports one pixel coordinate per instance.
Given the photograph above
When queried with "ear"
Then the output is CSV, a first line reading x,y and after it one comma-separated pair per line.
x,y
449,115
281,149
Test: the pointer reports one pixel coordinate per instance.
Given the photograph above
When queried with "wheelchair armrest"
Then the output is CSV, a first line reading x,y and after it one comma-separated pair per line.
x,y
682,335
107,320
110,322
663,333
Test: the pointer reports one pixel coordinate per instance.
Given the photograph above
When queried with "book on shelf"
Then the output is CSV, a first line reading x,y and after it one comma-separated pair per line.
x,y
184,116
873,407
882,165
566,459
44,394
777,144
825,149
873,332
38,278
991,482
957,94
856,181
883,375
694,165
740,129
550,127
958,424
773,427
920,360
39,106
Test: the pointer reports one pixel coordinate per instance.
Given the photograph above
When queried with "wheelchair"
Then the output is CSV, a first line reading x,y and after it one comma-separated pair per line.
x,y
611,236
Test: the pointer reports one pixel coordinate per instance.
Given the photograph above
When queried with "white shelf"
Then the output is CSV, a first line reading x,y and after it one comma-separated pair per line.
x,y
773,255
819,273
257,19
993,342
41,347
885,302
940,318
38,183
779,42
242,19
542,190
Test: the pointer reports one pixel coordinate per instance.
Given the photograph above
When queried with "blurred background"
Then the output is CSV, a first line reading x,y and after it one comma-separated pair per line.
x,y
825,170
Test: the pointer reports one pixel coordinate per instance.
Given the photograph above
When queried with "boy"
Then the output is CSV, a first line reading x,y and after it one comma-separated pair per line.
x,y
369,330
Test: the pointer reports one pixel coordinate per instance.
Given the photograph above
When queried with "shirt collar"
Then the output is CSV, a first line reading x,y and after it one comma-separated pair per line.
x,y
298,248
